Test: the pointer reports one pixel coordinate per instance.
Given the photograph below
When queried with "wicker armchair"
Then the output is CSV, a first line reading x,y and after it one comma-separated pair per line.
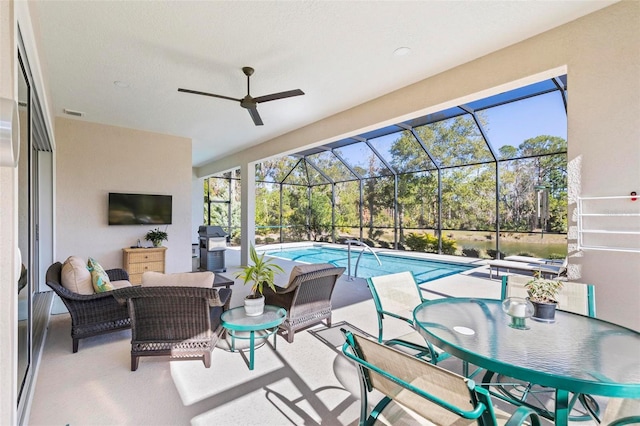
x,y
180,322
307,299
92,314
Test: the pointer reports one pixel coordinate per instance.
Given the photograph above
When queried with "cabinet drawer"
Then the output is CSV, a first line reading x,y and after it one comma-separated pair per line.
x,y
139,268
157,256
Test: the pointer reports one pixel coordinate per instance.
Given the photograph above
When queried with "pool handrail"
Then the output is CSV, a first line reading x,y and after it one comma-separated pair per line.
x,y
362,244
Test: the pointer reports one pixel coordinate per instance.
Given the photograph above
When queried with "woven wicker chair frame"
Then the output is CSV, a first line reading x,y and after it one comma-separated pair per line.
x,y
93,314
179,322
307,300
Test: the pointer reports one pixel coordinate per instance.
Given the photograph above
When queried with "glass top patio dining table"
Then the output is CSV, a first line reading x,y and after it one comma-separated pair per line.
x,y
576,353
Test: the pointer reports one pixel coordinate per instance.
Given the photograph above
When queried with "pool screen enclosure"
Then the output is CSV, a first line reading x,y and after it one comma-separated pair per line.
x,y
471,172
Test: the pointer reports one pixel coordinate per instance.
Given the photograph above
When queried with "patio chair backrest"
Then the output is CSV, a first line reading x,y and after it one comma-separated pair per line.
x,y
574,297
422,387
396,293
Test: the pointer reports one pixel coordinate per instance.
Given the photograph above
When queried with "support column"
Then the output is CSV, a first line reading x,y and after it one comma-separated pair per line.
x,y
248,210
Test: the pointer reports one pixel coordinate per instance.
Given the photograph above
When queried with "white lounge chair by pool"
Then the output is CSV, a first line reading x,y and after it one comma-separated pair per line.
x,y
529,259
544,269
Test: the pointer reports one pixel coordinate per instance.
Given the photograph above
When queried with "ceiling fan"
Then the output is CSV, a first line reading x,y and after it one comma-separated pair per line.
x,y
249,102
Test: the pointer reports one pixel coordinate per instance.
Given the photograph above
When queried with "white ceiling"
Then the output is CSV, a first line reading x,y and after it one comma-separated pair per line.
x,y
340,53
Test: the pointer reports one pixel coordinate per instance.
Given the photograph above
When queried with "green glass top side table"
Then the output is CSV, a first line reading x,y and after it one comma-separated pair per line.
x,y
237,323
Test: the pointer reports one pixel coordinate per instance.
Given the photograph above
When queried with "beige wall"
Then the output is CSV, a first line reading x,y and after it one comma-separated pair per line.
x,y
600,53
95,159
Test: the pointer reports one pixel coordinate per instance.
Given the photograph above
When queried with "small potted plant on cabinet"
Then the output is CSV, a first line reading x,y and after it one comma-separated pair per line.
x,y
542,294
156,236
261,273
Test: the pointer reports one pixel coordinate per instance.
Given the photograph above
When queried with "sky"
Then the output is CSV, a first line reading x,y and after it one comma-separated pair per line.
x,y
513,123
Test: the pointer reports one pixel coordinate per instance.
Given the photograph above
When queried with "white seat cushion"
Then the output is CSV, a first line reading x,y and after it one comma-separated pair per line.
x,y
186,279
120,284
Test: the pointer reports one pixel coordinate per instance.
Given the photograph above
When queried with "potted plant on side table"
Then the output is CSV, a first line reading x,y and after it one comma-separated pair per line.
x,y
261,273
156,236
542,294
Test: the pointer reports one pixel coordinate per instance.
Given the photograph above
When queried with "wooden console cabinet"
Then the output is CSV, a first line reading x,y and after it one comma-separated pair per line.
x,y
136,261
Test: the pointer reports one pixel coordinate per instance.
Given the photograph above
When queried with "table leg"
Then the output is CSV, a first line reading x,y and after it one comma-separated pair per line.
x,y
233,340
561,414
275,334
251,348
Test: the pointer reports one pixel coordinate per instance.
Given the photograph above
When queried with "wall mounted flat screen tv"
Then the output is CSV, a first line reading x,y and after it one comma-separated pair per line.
x,y
139,209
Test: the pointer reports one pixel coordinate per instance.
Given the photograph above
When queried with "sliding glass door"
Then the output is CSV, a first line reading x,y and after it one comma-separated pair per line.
x,y
35,205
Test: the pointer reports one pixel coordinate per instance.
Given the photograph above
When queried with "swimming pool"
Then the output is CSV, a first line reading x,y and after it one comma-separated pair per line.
x,y
423,269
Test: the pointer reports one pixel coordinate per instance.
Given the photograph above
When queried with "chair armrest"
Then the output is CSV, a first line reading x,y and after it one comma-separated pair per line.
x,y
281,297
70,295
522,415
281,290
117,274
216,297
224,295
629,420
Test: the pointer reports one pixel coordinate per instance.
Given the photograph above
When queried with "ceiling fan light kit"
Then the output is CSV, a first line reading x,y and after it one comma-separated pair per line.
x,y
248,102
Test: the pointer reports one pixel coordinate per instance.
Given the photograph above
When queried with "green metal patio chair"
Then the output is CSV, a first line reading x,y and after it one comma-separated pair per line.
x,y
622,411
418,392
396,296
574,297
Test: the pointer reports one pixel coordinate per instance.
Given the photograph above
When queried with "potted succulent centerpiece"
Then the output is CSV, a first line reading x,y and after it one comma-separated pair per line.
x,y
156,236
261,273
542,294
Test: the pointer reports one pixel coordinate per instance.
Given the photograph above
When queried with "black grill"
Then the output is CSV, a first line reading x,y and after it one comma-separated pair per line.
x,y
213,244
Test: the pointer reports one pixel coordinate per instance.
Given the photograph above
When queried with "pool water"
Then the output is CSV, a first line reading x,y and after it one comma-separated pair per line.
x,y
423,269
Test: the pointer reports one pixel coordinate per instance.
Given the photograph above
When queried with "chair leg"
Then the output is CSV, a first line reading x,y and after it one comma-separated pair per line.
x,y
207,359
75,345
329,321
134,362
290,335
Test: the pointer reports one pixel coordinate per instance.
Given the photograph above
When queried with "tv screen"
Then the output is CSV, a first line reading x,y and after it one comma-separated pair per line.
x,y
139,209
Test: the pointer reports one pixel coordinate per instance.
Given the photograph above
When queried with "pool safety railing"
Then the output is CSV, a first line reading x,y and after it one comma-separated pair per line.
x,y
365,247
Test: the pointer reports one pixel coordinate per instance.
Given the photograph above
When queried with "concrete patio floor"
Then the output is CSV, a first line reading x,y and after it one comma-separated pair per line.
x,y
307,382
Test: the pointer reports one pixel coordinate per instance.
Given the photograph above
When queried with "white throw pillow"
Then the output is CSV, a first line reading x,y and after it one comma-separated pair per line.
x,y
185,279
305,269
75,276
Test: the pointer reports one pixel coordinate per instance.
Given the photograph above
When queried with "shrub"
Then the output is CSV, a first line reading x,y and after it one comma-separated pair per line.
x,y
557,256
369,242
417,242
429,243
494,254
448,246
470,252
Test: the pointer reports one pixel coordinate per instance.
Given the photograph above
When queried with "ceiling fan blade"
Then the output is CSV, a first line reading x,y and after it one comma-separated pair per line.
x,y
253,112
276,96
195,92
